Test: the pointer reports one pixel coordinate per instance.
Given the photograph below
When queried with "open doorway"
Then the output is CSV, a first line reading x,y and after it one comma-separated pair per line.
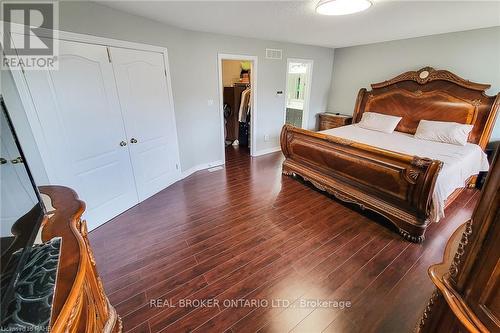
x,y
237,83
298,91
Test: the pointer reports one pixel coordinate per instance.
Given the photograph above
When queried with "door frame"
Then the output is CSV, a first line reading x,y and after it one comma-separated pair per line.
x,y
29,107
253,109
307,95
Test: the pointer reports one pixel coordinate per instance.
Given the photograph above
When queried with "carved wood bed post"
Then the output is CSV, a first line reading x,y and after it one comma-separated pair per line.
x,y
357,106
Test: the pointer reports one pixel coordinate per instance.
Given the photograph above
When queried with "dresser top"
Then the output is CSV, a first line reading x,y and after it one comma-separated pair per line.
x,y
335,115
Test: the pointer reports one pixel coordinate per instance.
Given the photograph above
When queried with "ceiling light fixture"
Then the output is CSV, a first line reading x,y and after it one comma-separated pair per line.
x,y
341,7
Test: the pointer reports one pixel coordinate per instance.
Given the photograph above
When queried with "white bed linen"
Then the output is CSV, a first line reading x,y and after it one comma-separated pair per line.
x,y
459,162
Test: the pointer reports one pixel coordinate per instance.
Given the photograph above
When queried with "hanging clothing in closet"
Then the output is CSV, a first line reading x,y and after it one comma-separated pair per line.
x,y
244,117
244,105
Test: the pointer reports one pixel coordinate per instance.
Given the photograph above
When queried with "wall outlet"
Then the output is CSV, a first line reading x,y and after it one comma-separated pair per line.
x,y
266,137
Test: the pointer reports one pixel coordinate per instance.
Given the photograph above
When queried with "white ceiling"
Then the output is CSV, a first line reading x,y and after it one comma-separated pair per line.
x,y
296,21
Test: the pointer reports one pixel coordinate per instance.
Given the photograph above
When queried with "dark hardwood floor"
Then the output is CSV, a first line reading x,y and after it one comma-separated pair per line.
x,y
248,234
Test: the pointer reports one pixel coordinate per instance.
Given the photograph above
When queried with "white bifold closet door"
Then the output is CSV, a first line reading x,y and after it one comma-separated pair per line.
x,y
79,113
149,118
107,128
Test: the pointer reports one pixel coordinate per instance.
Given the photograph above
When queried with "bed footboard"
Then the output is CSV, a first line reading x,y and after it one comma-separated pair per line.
x,y
394,185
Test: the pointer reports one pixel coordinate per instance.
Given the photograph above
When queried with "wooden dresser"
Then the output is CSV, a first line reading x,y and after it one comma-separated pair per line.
x,y
467,295
332,120
79,304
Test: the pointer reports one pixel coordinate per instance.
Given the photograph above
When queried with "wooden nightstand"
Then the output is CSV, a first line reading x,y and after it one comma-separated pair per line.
x,y
332,120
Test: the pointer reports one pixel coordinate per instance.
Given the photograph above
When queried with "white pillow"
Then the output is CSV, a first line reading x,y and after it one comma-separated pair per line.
x,y
443,131
379,122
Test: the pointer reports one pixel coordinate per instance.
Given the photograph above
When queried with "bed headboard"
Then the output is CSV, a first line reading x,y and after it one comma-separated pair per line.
x,y
432,95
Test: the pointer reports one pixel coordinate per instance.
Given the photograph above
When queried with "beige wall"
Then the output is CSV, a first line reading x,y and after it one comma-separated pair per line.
x,y
473,55
231,70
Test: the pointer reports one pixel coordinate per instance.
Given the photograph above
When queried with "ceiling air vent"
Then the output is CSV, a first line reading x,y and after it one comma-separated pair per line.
x,y
274,54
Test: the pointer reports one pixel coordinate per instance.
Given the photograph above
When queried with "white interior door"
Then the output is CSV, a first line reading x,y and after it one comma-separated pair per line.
x,y
148,113
79,112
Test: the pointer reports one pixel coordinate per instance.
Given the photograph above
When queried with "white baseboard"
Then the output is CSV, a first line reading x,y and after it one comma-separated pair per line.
x,y
267,151
199,167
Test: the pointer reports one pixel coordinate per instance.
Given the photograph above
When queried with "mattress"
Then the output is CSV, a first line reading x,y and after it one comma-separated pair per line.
x,y
459,162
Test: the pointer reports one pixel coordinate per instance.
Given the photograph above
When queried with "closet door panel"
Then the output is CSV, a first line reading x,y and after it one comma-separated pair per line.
x,y
80,115
149,119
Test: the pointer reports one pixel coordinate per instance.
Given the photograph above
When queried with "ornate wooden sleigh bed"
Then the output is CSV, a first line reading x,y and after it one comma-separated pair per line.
x,y
395,185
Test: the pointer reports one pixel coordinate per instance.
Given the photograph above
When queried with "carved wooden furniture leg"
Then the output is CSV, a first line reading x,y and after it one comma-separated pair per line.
x,y
80,304
467,295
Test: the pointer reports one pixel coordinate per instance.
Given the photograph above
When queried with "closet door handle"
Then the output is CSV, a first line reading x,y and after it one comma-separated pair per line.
x,y
17,160
123,143
133,140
